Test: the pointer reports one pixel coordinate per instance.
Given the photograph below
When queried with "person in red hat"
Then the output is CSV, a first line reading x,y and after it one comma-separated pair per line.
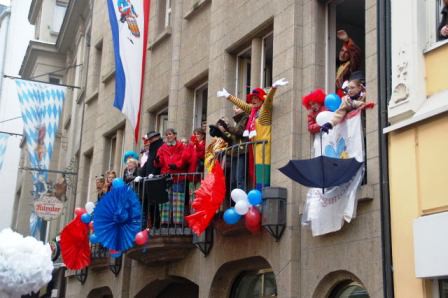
x,y
258,127
314,103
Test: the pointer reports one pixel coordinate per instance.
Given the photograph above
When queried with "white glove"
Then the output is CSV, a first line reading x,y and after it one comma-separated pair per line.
x,y
150,175
138,179
281,82
223,93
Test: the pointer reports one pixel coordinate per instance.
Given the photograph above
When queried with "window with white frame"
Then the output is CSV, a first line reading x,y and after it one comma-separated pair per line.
x,y
267,56
200,106
58,16
345,15
114,151
243,68
161,120
254,65
164,15
434,21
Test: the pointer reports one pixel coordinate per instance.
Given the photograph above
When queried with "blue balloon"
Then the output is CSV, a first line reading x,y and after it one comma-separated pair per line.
x,y
86,218
332,102
118,182
93,239
254,197
231,217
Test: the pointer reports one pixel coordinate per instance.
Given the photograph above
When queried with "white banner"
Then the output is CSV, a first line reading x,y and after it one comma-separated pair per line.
x,y
325,212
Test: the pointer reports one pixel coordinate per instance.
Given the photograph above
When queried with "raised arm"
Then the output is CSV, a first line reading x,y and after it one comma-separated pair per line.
x,y
235,100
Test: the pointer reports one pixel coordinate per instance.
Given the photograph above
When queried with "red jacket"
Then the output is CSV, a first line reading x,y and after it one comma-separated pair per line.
x,y
313,127
172,155
196,151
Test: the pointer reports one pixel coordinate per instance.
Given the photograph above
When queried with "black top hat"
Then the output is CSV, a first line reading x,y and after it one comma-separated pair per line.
x,y
152,134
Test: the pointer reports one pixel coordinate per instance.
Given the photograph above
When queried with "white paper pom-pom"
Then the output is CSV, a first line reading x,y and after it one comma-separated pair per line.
x,y
25,264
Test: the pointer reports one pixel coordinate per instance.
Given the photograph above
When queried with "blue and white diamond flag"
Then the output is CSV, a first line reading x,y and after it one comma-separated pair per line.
x,y
3,144
41,106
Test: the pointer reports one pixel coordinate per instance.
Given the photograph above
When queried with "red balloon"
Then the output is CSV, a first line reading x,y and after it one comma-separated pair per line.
x,y
91,225
253,220
80,211
141,238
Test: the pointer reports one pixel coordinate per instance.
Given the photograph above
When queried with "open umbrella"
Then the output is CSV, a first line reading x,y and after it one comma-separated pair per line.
x,y
117,219
208,198
75,247
321,171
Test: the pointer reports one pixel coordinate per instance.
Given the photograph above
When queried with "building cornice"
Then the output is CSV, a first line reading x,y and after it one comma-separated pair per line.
x,y
35,7
35,48
77,12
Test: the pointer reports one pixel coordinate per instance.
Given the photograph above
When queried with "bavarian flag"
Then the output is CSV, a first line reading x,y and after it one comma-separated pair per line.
x,y
129,24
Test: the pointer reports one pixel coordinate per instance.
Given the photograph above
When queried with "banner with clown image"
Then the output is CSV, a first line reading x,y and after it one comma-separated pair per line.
x,y
326,211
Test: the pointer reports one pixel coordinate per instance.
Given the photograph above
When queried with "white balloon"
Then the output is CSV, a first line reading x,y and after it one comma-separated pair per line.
x,y
241,207
89,207
324,117
238,195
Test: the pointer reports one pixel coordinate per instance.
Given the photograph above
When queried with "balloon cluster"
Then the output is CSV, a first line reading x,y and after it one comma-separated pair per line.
x,y
86,217
245,205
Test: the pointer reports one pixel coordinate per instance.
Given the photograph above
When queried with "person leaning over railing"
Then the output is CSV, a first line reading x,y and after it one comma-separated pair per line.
x,y
258,127
172,158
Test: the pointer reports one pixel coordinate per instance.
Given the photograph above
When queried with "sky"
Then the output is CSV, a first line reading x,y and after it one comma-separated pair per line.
x,y
4,2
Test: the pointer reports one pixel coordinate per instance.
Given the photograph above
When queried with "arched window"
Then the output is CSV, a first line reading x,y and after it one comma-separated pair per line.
x,y
349,289
255,284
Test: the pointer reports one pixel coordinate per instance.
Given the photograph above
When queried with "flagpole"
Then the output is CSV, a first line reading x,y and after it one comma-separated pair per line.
x,y
11,133
62,85
49,171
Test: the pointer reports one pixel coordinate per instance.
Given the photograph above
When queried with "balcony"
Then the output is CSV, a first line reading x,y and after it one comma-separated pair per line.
x,y
238,162
99,256
170,239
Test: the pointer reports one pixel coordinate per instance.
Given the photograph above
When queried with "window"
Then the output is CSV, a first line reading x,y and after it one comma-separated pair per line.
x,y
88,176
54,80
267,54
200,106
243,67
58,16
349,289
255,284
161,120
98,54
442,288
114,151
254,65
433,19
345,15
164,18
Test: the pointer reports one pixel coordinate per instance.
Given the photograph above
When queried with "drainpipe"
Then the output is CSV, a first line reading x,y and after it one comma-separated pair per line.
x,y
384,91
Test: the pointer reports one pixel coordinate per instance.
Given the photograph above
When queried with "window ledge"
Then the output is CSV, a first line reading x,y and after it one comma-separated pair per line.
x,y
366,193
196,7
161,37
436,45
92,97
433,106
108,76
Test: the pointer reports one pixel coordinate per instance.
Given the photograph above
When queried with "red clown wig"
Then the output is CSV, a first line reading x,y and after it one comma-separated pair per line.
x,y
317,96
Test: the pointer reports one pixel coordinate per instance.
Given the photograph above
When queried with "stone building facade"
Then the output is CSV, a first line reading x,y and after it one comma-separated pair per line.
x,y
197,47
